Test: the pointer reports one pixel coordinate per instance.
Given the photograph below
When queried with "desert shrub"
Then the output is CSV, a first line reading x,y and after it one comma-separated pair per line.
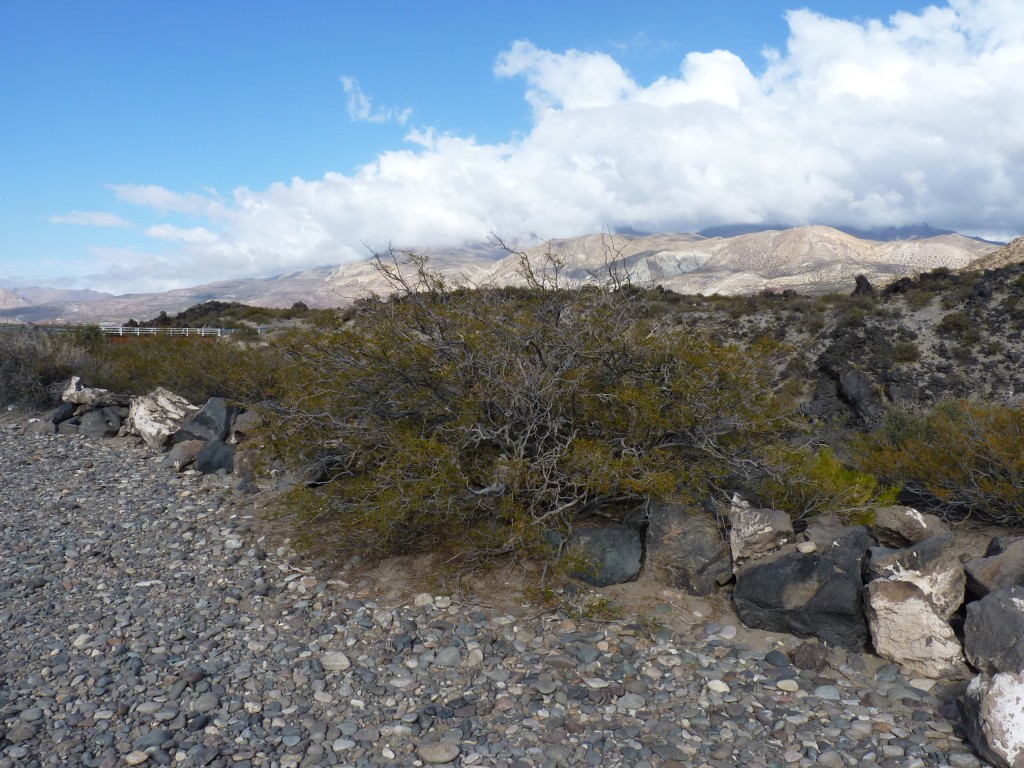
x,y
472,422
804,483
960,458
955,324
195,368
905,352
36,364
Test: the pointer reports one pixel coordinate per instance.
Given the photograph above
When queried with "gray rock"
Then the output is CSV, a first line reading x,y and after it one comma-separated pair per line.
x,y
244,424
335,661
62,412
211,423
686,549
994,631
215,456
900,527
206,702
809,595
438,752
183,454
1005,569
612,555
99,423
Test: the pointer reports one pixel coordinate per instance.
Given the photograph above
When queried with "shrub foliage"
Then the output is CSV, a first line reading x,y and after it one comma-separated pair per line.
x,y
474,421
960,458
35,365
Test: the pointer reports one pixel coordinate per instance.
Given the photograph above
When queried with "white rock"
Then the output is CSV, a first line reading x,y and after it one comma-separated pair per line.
x,y
718,686
138,757
335,661
906,630
806,547
756,532
157,416
994,718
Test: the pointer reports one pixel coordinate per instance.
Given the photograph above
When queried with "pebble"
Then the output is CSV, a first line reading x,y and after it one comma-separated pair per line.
x,y
143,622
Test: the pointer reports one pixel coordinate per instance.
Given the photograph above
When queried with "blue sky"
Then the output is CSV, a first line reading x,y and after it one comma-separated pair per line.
x,y
145,146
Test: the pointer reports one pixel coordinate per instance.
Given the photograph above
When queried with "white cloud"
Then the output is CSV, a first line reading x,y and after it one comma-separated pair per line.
x,y
90,219
908,120
360,106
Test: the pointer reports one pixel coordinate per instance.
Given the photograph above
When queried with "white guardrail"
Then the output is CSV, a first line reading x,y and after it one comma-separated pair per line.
x,y
123,330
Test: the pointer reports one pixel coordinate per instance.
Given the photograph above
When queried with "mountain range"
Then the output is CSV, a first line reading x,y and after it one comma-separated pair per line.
x,y
809,259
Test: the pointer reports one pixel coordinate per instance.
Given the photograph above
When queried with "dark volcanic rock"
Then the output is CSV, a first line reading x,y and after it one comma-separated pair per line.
x,y
809,595
994,631
686,549
210,423
215,456
614,552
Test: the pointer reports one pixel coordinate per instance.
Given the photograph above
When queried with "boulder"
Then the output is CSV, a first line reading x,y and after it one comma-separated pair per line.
x,y
613,554
62,412
79,394
994,631
1004,569
183,454
69,427
756,532
994,718
825,530
41,427
931,564
243,426
100,422
215,456
856,387
900,527
817,594
157,416
210,423
686,549
907,630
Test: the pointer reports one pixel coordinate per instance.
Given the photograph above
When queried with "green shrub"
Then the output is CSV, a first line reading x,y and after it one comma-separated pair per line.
x,y
960,458
805,483
472,422
905,352
36,364
197,368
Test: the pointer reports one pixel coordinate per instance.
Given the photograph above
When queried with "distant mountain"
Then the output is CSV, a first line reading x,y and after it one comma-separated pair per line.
x,y
812,259
12,300
881,234
35,295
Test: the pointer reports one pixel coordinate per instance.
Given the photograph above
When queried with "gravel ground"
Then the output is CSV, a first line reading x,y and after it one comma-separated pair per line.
x,y
142,624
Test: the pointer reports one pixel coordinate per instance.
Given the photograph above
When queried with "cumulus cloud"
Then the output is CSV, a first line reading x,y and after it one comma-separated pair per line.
x,y
887,122
90,219
360,106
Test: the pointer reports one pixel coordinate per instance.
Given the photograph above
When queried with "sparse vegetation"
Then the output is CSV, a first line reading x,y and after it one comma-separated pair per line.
x,y
35,365
959,458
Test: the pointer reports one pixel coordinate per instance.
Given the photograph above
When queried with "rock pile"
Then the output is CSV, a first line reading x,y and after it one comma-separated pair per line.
x,y
204,438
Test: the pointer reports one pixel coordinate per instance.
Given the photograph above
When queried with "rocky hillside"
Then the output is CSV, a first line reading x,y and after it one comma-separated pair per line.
x,y
940,335
811,259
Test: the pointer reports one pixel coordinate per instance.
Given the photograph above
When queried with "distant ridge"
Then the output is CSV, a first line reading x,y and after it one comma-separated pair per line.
x,y
812,259
880,234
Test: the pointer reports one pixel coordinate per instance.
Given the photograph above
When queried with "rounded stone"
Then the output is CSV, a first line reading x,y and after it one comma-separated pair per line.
x,y
438,752
335,661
